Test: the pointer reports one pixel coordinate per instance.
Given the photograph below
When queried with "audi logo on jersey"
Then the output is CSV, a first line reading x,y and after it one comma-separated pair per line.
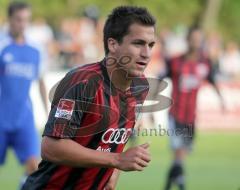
x,y
117,136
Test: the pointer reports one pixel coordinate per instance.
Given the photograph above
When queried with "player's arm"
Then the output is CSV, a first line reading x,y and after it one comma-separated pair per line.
x,y
113,180
41,83
211,79
216,88
70,153
43,93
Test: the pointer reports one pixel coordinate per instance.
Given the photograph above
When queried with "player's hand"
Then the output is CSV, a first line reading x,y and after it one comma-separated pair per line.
x,y
134,159
112,182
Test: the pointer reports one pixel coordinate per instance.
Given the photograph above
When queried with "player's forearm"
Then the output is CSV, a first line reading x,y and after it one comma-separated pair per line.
x,y
68,152
43,92
219,95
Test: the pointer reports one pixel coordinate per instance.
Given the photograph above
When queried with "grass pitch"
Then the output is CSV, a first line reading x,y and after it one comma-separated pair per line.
x,y
214,164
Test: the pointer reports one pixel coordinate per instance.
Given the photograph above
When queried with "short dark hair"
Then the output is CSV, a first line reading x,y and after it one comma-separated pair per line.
x,y
118,22
16,6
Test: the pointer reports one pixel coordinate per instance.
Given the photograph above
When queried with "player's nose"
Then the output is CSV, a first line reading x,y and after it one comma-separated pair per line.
x,y
145,52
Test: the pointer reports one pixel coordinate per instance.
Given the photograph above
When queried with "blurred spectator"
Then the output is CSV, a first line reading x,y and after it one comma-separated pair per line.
x,y
174,41
42,34
87,38
77,41
230,60
70,50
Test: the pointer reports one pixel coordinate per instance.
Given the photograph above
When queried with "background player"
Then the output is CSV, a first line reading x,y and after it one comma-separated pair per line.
x,y
20,63
187,73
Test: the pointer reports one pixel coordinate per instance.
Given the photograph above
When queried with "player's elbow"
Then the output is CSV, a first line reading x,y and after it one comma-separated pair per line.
x,y
49,150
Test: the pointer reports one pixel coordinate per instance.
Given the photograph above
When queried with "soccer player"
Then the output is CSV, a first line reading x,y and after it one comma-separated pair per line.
x,y
93,111
187,73
20,63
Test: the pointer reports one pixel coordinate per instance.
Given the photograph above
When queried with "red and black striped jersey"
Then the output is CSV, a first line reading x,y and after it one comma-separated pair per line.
x,y
187,76
88,109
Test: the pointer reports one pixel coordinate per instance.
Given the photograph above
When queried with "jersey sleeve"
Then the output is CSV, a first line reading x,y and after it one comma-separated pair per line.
x,y
70,102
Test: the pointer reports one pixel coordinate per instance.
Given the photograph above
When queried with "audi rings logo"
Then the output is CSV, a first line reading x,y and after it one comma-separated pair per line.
x,y
117,136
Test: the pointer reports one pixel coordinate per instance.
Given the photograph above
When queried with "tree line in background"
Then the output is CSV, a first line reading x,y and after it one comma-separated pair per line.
x,y
220,15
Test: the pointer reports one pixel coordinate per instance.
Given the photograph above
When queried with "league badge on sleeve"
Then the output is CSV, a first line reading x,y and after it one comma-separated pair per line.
x,y
65,109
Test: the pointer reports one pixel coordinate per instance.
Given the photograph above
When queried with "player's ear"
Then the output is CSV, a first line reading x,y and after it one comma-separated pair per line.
x,y
112,45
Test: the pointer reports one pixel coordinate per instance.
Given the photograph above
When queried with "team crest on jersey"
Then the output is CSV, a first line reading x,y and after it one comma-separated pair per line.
x,y
65,109
8,57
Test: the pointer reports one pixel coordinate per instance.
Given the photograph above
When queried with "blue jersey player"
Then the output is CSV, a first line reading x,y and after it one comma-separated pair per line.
x,y
20,63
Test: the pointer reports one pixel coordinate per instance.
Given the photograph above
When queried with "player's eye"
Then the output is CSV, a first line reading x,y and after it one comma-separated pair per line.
x,y
151,45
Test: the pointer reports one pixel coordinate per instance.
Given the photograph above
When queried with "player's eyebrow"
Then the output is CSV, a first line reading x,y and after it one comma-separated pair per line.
x,y
139,41
143,42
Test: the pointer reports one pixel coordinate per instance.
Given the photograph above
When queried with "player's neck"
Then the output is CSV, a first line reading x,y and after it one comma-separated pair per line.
x,y
17,37
119,78
193,55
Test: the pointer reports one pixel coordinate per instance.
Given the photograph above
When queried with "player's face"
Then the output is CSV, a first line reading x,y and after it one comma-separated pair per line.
x,y
196,40
137,44
19,21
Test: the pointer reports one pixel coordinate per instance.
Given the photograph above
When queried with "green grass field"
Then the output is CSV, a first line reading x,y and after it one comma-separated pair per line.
x,y
213,165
